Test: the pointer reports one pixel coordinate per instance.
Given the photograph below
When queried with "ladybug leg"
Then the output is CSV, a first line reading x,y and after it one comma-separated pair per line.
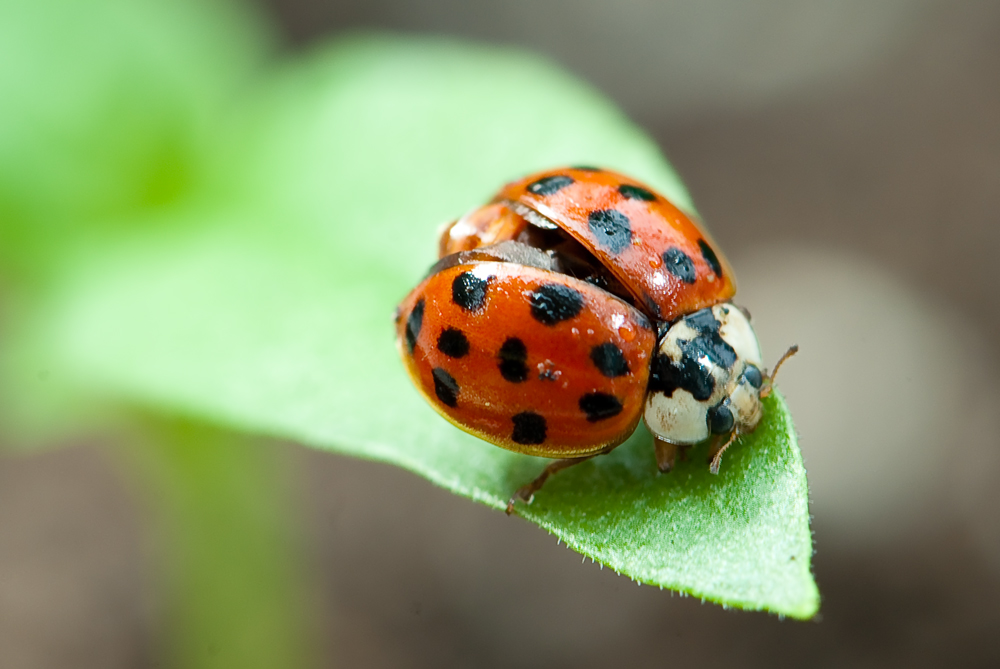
x,y
714,446
716,457
527,492
666,454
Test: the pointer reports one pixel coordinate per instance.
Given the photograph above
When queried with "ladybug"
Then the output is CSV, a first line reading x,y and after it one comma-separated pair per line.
x,y
573,304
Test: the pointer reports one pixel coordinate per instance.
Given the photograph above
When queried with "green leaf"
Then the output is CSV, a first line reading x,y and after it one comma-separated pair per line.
x,y
273,315
107,108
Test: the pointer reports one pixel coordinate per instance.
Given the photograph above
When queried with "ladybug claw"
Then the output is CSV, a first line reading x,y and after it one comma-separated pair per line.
x,y
525,496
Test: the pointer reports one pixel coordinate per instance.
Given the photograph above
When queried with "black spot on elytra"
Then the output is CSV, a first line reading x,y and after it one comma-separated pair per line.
x,y
720,419
690,373
599,406
679,264
513,355
550,185
529,428
445,387
612,229
469,291
753,376
709,255
553,302
609,360
413,324
636,193
453,343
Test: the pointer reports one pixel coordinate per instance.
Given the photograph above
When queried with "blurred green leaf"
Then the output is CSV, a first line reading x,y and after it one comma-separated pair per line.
x,y
273,314
108,108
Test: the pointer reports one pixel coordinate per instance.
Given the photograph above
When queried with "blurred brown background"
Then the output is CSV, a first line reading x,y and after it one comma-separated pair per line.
x,y
847,156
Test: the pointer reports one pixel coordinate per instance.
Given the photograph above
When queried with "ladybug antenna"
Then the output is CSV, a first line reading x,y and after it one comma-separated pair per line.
x,y
769,382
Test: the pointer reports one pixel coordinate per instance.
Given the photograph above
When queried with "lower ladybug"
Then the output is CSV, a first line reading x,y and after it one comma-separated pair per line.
x,y
573,304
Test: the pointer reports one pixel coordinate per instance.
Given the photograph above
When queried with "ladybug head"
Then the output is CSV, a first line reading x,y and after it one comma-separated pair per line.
x,y
706,377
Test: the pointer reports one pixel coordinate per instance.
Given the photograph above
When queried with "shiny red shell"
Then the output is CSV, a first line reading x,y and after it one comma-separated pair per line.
x,y
531,360
668,264
508,343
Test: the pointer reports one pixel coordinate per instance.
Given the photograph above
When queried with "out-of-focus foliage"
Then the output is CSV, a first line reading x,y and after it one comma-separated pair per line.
x,y
261,298
108,108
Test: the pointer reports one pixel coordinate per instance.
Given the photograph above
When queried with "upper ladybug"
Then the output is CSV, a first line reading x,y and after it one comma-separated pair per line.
x,y
667,264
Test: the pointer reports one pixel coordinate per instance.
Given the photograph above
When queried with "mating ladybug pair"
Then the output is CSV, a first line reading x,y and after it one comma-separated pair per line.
x,y
574,303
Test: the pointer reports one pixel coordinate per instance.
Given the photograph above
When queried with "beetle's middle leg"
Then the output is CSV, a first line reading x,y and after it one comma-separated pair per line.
x,y
527,492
